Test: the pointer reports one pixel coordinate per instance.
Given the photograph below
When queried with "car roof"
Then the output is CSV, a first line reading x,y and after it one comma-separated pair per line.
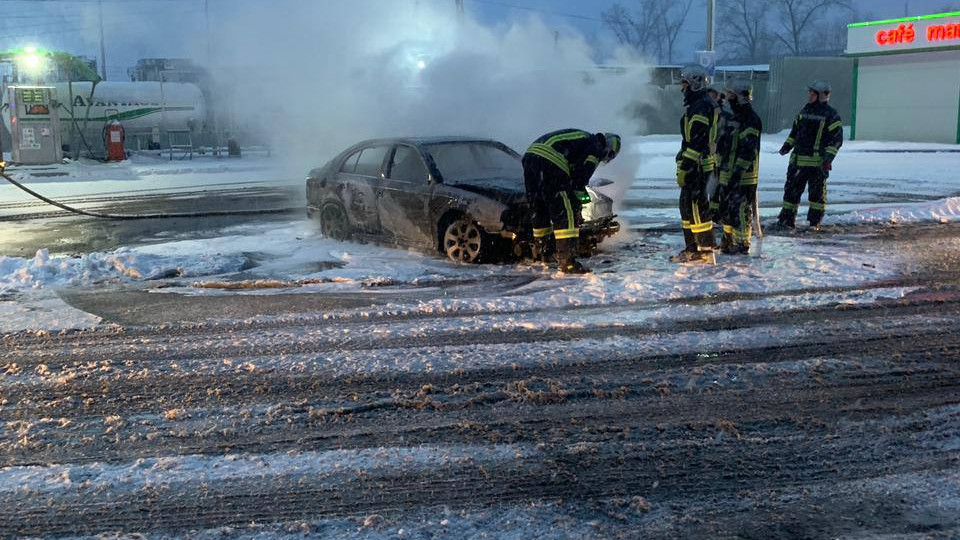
x,y
426,140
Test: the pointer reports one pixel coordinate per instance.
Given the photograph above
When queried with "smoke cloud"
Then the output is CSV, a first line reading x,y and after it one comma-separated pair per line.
x,y
319,76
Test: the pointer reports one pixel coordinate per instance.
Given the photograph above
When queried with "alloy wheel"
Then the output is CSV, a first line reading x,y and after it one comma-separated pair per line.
x,y
333,222
463,241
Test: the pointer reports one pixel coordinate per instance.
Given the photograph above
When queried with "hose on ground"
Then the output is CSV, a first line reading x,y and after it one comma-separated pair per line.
x,y
144,216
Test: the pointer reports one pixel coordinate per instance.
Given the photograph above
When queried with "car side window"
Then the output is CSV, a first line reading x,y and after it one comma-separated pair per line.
x,y
371,161
350,164
407,165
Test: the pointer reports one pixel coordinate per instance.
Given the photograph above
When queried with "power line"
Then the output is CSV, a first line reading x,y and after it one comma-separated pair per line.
x,y
538,10
76,18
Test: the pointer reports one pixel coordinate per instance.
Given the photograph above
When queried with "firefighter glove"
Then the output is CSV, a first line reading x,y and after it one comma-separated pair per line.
x,y
827,166
784,150
681,175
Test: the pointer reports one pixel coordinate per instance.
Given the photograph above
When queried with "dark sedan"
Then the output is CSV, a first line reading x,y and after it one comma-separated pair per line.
x,y
459,196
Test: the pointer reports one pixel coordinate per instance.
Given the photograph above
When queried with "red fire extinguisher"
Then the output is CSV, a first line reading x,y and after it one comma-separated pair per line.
x,y
113,138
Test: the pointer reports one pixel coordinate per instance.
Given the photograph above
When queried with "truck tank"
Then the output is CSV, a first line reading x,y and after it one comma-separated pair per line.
x,y
149,111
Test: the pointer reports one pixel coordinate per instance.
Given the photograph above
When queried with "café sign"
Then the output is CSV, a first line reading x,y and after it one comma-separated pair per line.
x,y
909,33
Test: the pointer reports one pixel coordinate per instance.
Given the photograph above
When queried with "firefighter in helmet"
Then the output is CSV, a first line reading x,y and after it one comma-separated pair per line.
x,y
815,139
695,162
740,168
556,170
720,141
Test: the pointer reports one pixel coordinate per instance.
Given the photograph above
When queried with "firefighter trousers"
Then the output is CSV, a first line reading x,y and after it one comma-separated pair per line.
x,y
549,192
718,199
798,179
695,212
740,202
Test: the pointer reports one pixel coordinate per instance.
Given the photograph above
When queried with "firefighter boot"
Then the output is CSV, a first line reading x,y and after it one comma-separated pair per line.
x,y
566,261
542,249
727,245
786,219
694,256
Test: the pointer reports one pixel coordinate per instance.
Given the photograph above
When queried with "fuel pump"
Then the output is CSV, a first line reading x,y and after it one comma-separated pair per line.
x,y
114,138
34,125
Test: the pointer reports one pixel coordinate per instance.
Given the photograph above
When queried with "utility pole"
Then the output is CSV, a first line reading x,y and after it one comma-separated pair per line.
x,y
711,7
103,49
213,111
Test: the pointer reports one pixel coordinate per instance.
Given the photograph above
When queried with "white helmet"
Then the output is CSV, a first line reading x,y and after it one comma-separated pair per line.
x,y
695,76
822,88
741,90
612,144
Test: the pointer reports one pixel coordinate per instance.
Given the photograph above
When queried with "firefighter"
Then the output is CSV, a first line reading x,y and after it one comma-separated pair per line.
x,y
719,140
815,139
740,168
556,170
694,164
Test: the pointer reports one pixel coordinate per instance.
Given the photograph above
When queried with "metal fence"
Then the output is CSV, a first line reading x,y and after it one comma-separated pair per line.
x,y
787,91
778,94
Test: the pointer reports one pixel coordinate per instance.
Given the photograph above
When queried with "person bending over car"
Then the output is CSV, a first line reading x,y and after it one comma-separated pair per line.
x,y
556,170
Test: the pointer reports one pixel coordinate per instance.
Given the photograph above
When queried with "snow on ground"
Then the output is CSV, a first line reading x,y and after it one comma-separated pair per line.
x,y
143,174
291,257
633,277
294,255
331,466
865,174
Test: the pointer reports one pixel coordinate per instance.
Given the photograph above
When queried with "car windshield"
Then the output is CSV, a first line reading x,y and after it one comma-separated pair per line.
x,y
460,161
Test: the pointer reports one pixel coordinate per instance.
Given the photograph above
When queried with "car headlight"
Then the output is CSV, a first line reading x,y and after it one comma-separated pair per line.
x,y
596,196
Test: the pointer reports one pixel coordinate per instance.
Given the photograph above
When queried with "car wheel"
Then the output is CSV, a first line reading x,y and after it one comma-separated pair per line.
x,y
333,222
463,241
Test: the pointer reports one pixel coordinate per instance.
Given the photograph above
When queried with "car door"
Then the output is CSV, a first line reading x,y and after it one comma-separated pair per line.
x,y
404,202
359,178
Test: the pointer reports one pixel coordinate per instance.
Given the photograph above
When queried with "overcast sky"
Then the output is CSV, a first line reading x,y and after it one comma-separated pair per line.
x,y
176,28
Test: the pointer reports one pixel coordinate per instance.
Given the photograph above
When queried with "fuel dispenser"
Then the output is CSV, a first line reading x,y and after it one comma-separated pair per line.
x,y
34,125
114,137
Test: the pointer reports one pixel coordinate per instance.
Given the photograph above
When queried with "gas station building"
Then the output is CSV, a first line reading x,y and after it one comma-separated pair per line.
x,y
906,79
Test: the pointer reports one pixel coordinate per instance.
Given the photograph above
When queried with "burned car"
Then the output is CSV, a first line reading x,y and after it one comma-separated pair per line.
x,y
462,197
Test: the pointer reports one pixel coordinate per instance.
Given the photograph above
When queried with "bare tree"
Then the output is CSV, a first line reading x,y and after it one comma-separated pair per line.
x,y
833,40
797,18
744,27
673,14
652,27
635,30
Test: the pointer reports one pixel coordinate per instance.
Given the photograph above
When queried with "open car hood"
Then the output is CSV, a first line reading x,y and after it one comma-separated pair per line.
x,y
503,190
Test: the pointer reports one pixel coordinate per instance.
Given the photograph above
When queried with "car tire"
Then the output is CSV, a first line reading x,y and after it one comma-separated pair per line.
x,y
464,241
333,222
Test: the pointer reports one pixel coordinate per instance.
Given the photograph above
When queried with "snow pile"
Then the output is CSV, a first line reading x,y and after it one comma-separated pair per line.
x,y
131,263
942,211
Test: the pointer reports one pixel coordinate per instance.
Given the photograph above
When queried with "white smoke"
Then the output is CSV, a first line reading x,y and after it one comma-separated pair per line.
x,y
319,76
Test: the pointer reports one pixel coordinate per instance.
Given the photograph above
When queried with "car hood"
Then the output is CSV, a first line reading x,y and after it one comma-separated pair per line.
x,y
503,190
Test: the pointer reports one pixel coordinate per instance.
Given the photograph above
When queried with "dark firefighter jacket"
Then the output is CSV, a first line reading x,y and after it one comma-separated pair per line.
x,y
575,152
741,158
722,116
816,136
699,136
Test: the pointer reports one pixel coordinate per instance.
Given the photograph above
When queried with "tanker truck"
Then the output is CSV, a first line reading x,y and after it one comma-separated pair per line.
x,y
151,112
